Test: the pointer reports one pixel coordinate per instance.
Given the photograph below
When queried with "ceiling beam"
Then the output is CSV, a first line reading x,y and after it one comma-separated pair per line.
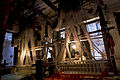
x,y
55,2
48,2
45,17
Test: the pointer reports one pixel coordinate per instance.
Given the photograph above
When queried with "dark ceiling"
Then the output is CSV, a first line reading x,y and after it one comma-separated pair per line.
x,y
33,12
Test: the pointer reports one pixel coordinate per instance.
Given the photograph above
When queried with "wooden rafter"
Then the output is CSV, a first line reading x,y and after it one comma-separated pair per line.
x,y
48,2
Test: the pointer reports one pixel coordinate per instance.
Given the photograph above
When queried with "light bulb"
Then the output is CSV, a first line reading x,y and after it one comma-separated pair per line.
x,y
74,46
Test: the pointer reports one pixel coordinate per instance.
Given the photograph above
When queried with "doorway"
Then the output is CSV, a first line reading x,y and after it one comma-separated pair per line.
x,y
8,50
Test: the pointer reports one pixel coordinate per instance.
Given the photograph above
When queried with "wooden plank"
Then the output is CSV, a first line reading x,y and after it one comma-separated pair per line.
x,y
50,4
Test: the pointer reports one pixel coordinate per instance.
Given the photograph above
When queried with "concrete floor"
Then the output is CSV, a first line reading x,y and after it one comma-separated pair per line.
x,y
14,76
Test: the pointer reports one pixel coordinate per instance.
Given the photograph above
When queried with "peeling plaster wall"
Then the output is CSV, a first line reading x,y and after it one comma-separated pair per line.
x,y
114,6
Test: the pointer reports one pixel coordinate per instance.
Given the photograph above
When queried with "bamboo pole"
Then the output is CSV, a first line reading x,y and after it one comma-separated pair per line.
x,y
27,52
67,44
32,41
62,54
73,31
88,37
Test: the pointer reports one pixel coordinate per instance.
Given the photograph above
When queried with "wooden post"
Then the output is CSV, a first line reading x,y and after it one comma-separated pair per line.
x,y
103,25
15,55
39,69
51,66
2,36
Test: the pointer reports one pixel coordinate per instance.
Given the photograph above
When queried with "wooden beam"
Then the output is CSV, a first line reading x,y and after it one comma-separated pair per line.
x,y
109,28
50,4
55,2
43,16
102,30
